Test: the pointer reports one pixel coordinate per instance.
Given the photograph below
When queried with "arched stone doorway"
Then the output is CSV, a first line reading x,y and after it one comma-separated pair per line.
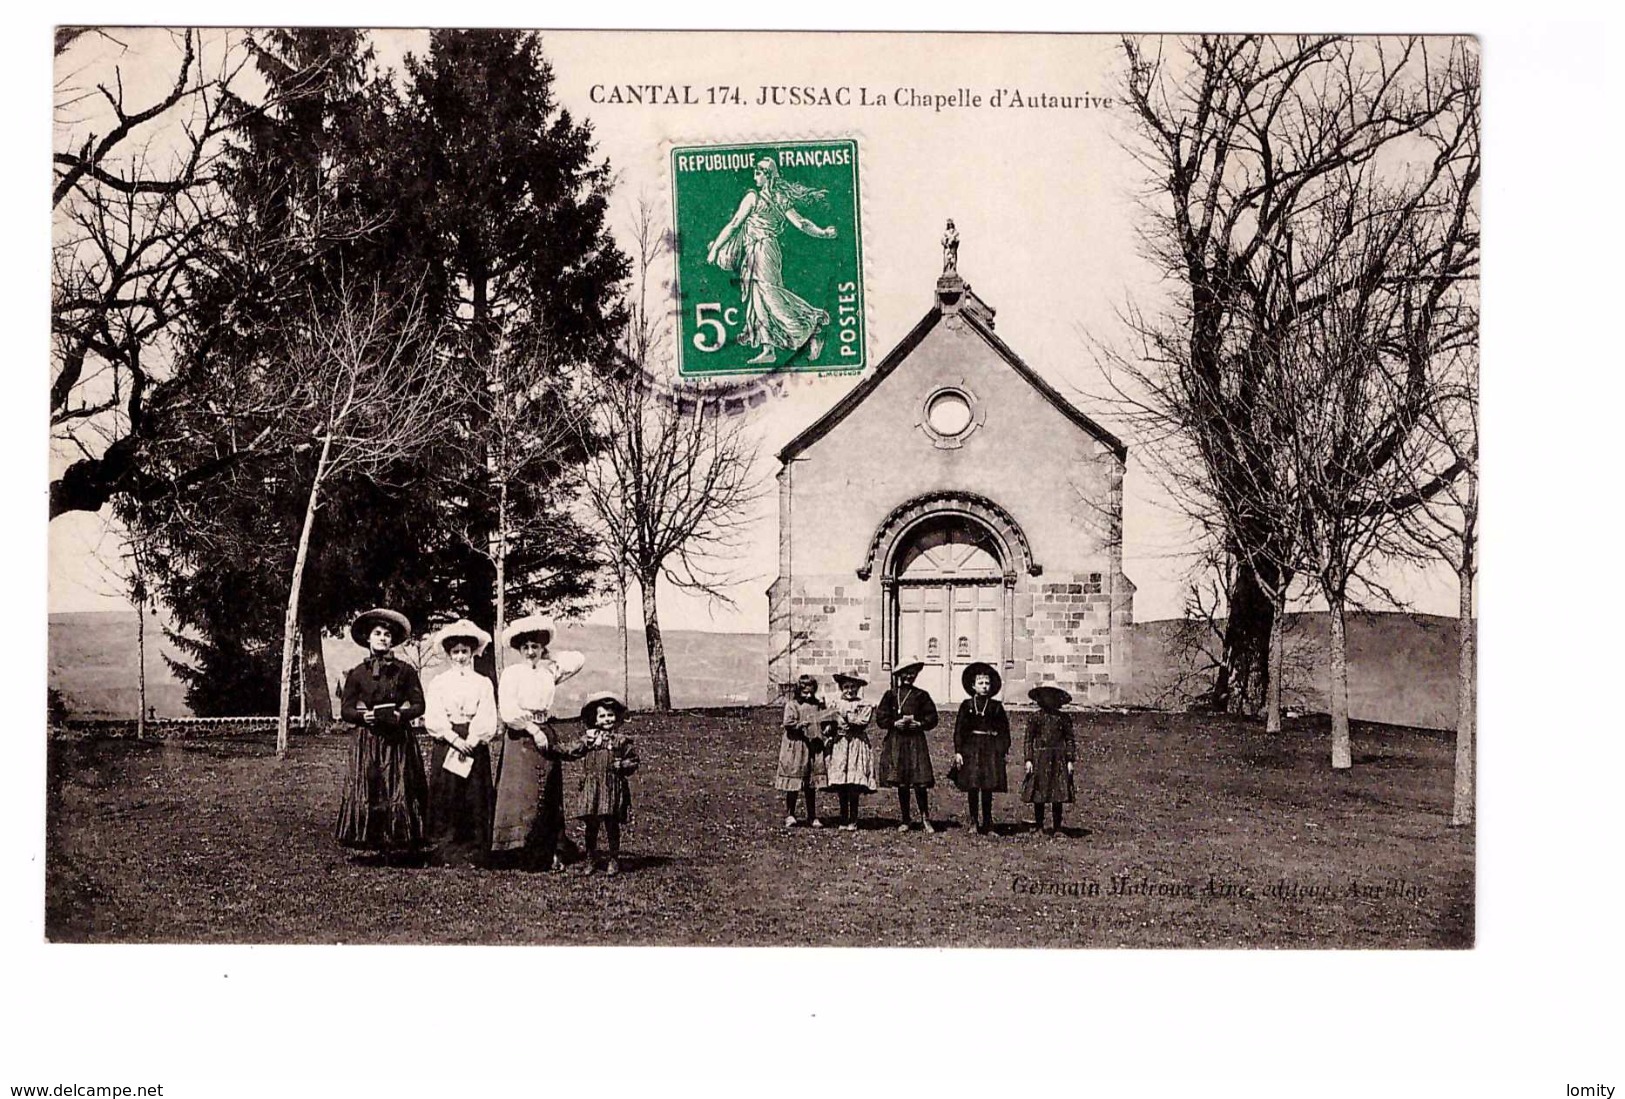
x,y
948,586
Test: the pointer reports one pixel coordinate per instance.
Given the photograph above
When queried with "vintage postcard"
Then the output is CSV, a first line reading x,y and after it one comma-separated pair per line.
x,y
763,489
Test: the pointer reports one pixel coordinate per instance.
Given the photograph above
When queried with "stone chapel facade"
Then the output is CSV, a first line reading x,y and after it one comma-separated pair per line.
x,y
953,507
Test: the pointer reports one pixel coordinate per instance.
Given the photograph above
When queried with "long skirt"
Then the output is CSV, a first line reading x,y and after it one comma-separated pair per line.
x,y
905,760
530,801
799,766
851,763
984,767
1049,781
460,808
385,804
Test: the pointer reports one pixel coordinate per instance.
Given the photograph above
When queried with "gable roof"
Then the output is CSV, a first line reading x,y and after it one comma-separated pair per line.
x,y
842,408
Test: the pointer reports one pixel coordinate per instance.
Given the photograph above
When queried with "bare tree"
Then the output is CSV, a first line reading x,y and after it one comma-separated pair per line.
x,y
364,388
1447,525
134,189
1244,140
670,489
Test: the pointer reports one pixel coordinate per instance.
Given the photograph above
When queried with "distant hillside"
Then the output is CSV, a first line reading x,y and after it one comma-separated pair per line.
x,y
92,661
1402,667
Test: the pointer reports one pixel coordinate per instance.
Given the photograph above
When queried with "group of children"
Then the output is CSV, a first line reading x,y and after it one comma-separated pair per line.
x,y
828,747
507,807
506,810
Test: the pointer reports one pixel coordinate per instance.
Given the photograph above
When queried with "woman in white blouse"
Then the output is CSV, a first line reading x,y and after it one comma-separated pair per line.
x,y
530,783
462,718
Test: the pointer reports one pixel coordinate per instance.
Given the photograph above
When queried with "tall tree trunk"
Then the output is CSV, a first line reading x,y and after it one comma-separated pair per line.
x,y
1462,804
1244,671
655,644
501,554
1272,710
141,658
1342,753
313,674
621,635
290,621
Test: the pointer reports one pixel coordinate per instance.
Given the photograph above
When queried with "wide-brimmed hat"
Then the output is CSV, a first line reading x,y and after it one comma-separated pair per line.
x,y
531,623
462,630
399,626
1049,697
980,667
844,680
908,669
602,698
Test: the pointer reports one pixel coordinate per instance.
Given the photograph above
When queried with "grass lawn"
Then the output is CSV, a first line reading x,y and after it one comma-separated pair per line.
x,y
1206,817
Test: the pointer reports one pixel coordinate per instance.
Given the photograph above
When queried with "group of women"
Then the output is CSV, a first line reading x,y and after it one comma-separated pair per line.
x,y
828,748
507,811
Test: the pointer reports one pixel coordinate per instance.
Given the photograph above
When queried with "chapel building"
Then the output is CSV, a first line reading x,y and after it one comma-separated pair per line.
x,y
953,507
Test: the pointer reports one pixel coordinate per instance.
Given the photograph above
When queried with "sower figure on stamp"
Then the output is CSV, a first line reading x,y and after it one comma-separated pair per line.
x,y
462,717
1051,752
907,713
775,317
981,742
530,785
385,806
801,751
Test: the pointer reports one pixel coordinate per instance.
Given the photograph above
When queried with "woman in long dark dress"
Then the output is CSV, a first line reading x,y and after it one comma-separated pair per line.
x,y
462,717
530,780
1051,752
981,742
907,713
385,805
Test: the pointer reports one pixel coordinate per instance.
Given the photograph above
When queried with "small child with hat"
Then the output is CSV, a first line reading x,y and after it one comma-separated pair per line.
x,y
801,752
907,713
851,763
1051,752
981,742
605,796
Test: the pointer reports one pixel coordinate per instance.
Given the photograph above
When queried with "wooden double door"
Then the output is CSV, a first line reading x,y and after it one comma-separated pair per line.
x,y
950,607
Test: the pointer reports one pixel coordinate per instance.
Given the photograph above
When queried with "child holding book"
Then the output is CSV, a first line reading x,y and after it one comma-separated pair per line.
x,y
604,799
801,751
851,764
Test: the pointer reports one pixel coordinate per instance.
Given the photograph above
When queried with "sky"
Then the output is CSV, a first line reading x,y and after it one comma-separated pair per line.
x,y
1045,202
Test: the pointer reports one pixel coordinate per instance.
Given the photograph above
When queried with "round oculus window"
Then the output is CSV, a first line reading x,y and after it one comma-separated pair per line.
x,y
948,413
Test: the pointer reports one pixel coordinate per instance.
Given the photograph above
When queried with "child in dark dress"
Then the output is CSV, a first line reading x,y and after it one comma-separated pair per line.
x,y
605,797
981,742
1051,752
907,713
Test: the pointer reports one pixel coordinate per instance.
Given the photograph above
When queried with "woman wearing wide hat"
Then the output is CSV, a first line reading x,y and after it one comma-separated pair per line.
x,y
981,742
907,713
462,717
385,806
530,779
1051,752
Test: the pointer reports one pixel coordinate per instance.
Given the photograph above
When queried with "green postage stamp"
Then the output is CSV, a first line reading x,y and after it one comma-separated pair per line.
x,y
769,257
